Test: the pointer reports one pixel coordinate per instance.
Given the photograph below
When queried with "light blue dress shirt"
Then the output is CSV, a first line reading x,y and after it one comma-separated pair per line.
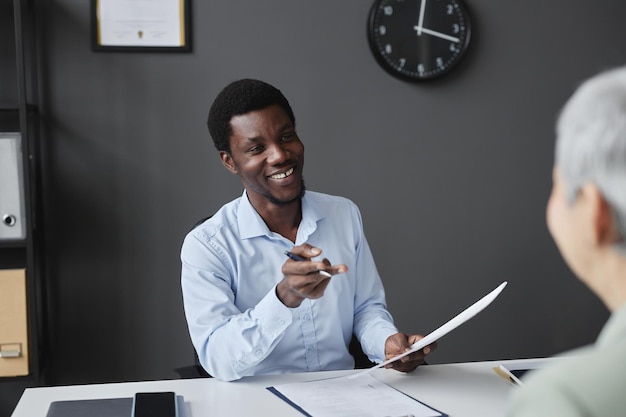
x,y
231,265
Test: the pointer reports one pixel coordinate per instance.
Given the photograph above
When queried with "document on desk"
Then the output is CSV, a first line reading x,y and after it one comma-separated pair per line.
x,y
361,397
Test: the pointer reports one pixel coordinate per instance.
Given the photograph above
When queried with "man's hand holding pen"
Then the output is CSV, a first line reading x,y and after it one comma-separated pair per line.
x,y
399,343
304,278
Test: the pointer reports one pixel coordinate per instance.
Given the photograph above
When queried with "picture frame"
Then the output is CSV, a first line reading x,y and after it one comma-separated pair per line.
x,y
140,26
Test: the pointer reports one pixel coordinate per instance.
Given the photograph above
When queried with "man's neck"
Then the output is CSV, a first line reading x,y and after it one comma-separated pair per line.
x,y
281,219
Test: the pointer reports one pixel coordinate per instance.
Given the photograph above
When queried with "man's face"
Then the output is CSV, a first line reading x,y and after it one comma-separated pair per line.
x,y
267,155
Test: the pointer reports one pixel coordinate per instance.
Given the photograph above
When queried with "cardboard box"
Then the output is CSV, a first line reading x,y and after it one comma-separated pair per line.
x,y
13,323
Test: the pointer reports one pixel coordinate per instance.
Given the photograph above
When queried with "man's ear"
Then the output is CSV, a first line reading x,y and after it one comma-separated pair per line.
x,y
604,230
227,161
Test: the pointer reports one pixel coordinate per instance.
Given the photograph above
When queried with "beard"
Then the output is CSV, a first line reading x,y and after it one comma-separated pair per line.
x,y
278,202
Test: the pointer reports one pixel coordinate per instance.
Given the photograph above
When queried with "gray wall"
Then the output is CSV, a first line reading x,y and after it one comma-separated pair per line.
x,y
452,177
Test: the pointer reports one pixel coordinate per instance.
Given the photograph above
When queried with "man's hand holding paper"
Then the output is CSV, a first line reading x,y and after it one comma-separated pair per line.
x,y
414,350
400,343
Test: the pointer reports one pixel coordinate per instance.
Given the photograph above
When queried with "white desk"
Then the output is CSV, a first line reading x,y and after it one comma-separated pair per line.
x,y
462,389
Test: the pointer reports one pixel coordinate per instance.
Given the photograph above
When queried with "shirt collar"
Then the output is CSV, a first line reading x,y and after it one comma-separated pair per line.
x,y
252,225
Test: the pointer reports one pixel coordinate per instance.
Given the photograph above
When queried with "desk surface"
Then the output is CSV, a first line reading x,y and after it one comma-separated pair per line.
x,y
458,389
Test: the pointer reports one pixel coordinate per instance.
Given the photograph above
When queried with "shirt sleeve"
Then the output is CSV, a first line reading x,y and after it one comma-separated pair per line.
x,y
373,323
229,342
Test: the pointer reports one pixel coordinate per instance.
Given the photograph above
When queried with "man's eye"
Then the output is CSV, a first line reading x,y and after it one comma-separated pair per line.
x,y
255,149
288,136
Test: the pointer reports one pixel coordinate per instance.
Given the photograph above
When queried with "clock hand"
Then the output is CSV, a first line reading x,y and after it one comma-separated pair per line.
x,y
437,34
420,20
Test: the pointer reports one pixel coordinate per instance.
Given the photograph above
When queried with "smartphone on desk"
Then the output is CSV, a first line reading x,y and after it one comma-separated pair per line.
x,y
155,404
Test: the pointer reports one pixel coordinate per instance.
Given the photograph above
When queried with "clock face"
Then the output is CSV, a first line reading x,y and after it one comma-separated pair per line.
x,y
417,40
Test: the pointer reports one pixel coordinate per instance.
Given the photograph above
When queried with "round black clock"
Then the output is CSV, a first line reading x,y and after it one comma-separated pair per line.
x,y
417,40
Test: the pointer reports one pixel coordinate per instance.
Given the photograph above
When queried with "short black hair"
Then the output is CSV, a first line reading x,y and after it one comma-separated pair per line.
x,y
240,97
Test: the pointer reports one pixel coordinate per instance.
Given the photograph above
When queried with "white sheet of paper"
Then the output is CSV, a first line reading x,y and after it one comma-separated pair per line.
x,y
140,23
362,397
452,324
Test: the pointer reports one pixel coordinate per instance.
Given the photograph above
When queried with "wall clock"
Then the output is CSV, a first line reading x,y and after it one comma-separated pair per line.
x,y
418,40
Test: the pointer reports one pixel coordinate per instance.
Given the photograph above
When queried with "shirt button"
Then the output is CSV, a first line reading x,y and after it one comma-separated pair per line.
x,y
306,317
258,353
281,321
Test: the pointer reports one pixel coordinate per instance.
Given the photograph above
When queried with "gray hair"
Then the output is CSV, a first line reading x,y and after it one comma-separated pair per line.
x,y
591,142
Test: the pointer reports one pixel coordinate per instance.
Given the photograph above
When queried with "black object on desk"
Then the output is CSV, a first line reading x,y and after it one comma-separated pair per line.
x,y
100,407
107,407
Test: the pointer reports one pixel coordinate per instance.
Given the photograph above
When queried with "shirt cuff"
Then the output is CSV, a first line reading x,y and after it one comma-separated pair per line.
x,y
376,342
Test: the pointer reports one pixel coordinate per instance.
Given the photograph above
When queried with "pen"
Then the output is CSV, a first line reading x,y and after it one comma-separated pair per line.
x,y
295,257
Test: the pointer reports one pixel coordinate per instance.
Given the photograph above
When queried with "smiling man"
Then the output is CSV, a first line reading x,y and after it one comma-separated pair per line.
x,y
250,309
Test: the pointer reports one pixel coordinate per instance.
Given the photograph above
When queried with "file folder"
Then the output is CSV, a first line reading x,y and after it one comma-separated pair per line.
x,y
12,210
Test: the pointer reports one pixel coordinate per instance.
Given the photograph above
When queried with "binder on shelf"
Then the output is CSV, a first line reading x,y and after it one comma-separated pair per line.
x,y
12,210
13,325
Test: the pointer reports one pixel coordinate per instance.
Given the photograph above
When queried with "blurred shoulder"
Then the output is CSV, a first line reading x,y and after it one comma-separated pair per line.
x,y
584,382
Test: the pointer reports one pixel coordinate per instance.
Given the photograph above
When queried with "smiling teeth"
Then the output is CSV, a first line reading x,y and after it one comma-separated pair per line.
x,y
282,174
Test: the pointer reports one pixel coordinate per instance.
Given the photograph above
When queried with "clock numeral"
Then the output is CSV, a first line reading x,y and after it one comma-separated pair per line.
x,y
420,68
402,62
388,49
453,48
439,62
382,29
388,10
456,28
450,9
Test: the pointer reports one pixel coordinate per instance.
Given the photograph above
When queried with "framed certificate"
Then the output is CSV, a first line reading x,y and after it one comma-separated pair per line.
x,y
140,25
